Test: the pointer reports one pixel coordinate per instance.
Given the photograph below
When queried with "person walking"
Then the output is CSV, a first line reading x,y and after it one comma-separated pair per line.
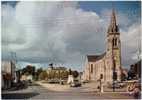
x,y
137,91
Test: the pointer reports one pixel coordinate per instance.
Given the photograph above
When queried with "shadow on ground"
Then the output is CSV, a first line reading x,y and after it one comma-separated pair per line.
x,y
18,95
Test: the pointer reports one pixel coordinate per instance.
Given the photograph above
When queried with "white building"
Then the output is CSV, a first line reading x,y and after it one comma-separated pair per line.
x,y
109,62
8,73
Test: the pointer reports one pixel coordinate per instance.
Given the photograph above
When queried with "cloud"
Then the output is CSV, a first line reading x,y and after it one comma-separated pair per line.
x,y
59,32
131,39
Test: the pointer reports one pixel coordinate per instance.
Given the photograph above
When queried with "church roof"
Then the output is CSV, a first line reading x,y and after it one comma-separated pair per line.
x,y
93,58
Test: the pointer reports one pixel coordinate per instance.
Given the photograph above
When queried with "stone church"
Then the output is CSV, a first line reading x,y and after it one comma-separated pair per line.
x,y
108,63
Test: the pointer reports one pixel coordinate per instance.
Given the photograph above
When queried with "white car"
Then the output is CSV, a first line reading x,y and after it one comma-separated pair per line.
x,y
76,83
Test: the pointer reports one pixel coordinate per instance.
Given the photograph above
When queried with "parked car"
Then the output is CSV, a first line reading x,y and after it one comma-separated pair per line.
x,y
85,81
62,82
22,85
122,84
29,82
53,81
76,83
116,85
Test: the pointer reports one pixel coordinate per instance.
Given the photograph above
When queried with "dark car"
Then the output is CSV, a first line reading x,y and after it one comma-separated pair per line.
x,y
29,82
22,85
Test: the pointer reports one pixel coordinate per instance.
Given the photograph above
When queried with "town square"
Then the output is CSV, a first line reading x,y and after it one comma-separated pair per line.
x,y
71,50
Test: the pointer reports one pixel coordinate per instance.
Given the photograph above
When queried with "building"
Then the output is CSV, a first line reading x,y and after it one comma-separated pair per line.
x,y
57,72
136,69
8,73
105,65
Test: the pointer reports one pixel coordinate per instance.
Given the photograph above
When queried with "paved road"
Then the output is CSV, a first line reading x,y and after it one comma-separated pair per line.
x,y
38,92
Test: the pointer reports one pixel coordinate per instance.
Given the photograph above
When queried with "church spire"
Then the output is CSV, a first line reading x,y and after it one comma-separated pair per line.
x,y
113,28
113,18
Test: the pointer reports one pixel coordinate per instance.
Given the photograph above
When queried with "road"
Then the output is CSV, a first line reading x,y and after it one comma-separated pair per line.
x,y
39,92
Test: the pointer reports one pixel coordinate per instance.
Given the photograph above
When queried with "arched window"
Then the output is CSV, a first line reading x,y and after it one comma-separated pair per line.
x,y
91,68
115,42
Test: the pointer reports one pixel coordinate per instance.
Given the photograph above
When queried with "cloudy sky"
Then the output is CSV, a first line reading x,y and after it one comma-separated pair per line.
x,y
64,32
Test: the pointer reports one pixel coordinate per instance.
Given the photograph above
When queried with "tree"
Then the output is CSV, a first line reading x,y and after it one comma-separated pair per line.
x,y
131,73
70,72
39,71
43,75
75,73
29,70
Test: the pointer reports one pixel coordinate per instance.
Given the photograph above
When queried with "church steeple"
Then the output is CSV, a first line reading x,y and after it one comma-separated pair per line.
x,y
114,45
113,27
113,18
113,35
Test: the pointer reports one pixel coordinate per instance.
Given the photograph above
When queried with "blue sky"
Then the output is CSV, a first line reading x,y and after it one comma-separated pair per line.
x,y
123,6
132,9
97,6
70,48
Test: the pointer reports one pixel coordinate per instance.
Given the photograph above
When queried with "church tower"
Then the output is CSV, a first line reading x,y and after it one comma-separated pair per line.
x,y
114,47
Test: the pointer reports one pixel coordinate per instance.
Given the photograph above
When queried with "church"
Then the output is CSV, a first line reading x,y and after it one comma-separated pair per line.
x,y
108,64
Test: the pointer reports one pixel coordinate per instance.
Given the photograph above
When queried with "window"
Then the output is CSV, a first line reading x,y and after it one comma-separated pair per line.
x,y
101,76
114,42
91,68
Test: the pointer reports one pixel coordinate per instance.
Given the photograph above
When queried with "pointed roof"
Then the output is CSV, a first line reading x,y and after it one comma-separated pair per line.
x,y
113,18
113,27
93,58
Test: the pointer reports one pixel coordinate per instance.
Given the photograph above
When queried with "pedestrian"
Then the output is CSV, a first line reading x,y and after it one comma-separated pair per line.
x,y
137,91
131,88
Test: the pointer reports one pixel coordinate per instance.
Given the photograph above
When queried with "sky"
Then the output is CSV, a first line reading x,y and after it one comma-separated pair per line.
x,y
63,33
